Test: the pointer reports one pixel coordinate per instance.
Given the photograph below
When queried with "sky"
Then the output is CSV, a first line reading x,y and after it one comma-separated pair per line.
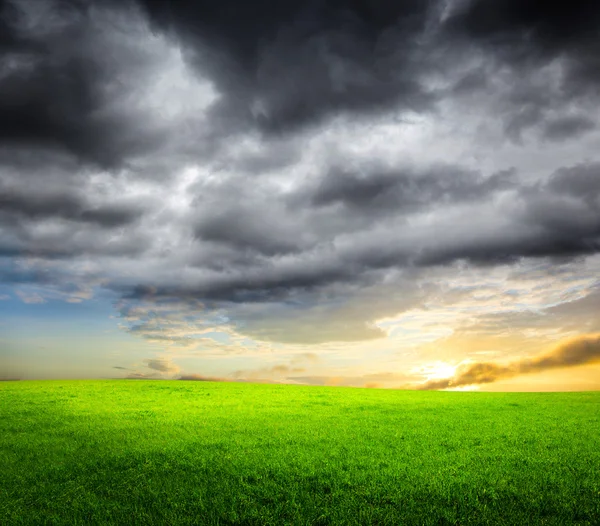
x,y
382,193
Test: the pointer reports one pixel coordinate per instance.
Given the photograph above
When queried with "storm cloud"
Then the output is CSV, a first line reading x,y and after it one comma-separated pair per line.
x,y
558,217
66,206
292,172
58,74
281,67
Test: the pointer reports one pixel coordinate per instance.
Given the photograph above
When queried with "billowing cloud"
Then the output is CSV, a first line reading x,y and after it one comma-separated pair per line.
x,y
516,221
359,57
66,206
573,126
531,39
57,86
162,365
288,177
579,351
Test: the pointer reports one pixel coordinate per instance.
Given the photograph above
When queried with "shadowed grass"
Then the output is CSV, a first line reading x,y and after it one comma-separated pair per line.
x,y
158,452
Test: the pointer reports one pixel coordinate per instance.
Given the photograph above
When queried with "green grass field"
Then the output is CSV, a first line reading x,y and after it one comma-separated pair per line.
x,y
174,452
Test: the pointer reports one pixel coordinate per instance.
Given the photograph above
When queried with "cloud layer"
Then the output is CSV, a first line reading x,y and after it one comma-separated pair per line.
x,y
242,175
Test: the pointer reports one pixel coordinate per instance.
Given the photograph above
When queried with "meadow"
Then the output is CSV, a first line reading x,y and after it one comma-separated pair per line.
x,y
176,452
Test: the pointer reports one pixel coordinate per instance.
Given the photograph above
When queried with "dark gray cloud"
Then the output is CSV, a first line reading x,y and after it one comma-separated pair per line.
x,y
406,191
581,181
18,206
574,126
282,66
68,80
282,159
69,241
531,27
247,230
542,220
57,82
524,38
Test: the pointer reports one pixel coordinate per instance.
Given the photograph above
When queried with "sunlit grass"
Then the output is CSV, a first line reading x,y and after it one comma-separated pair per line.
x,y
143,452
